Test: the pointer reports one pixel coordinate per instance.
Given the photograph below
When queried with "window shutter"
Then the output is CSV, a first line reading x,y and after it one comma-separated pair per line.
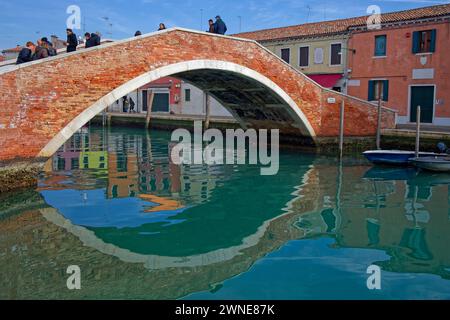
x,y
416,42
371,91
386,90
433,41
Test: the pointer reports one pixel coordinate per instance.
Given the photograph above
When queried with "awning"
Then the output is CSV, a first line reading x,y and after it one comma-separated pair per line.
x,y
326,80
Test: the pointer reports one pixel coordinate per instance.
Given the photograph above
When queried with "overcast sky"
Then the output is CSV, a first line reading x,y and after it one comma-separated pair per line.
x,y
25,20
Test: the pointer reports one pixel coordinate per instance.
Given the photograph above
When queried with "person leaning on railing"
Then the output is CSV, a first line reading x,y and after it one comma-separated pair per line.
x,y
26,54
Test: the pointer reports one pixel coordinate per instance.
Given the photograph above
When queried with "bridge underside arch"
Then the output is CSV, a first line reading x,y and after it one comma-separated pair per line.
x,y
253,99
251,102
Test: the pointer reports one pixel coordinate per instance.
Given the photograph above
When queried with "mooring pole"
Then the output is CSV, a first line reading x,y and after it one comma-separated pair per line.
x,y
103,117
208,111
380,110
341,129
150,98
418,131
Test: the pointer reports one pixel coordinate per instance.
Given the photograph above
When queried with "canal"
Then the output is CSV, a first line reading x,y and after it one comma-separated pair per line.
x,y
140,227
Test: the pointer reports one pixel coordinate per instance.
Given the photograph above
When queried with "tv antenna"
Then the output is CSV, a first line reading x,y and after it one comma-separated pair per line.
x,y
309,12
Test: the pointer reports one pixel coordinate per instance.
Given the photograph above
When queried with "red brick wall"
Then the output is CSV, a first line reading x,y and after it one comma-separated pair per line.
x,y
41,99
173,84
399,63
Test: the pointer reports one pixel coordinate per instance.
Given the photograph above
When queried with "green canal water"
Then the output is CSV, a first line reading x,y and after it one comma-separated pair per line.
x,y
140,227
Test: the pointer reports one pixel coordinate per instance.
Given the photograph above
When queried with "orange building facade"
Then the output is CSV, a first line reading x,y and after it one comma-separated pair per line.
x,y
410,61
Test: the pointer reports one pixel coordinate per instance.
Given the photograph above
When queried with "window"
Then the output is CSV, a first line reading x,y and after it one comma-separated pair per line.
x,y
318,56
286,55
380,46
304,57
187,95
336,54
424,41
377,86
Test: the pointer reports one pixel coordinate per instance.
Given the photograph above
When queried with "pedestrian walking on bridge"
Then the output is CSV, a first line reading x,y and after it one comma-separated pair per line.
x,y
220,27
72,41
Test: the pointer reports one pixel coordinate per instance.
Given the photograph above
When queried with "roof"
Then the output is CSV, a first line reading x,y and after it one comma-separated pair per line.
x,y
333,27
16,49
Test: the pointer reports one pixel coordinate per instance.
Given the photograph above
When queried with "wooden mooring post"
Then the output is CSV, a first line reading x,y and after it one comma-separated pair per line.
x,y
380,111
150,98
341,129
208,111
419,115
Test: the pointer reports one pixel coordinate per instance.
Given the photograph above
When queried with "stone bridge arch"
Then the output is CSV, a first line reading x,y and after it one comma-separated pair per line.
x,y
212,72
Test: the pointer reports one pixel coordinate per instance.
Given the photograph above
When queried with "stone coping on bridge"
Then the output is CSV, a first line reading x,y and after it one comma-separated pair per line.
x,y
120,42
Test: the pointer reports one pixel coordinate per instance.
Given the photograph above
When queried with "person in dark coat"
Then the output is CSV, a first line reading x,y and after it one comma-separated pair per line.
x,y
212,27
72,41
51,50
26,54
132,105
92,40
125,104
41,51
88,42
220,27
97,40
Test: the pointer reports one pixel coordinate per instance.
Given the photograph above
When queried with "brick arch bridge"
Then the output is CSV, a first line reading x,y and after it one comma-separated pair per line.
x,y
44,102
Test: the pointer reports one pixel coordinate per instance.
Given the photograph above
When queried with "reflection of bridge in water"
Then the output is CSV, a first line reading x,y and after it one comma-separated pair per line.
x,y
389,213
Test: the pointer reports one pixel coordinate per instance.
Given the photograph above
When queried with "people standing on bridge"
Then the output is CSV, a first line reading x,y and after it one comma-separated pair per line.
x,y
26,54
212,27
88,43
132,105
92,40
97,38
41,51
162,26
72,41
220,27
51,50
125,104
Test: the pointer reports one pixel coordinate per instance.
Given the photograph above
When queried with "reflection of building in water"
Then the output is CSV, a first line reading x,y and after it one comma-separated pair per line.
x,y
409,219
163,204
122,175
157,174
137,164
94,160
198,181
83,151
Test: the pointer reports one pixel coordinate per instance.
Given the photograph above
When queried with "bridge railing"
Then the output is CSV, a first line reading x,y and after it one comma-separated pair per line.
x,y
61,52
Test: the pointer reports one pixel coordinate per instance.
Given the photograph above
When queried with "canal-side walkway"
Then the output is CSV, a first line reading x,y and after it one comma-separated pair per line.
x,y
404,137
162,120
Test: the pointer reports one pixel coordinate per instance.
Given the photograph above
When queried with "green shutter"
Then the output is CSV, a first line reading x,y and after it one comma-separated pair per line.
x,y
433,41
416,42
371,91
386,90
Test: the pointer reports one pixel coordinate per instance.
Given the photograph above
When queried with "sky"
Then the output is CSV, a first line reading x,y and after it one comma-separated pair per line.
x,y
28,20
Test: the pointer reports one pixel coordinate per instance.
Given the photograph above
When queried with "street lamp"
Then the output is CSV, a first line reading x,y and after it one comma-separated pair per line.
x,y
109,24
